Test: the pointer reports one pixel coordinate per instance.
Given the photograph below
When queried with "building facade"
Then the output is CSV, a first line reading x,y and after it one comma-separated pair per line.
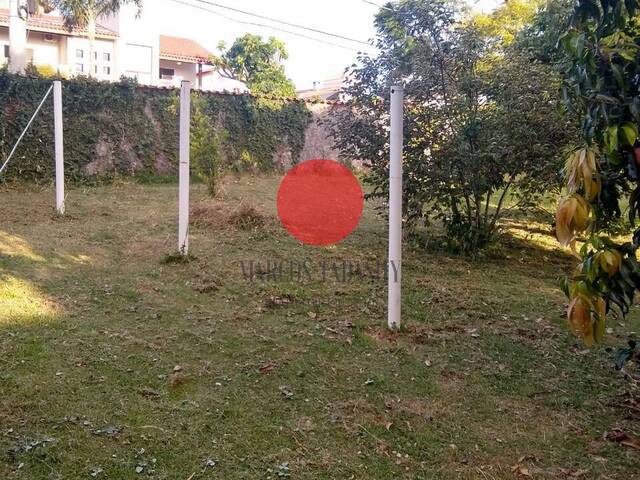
x,y
126,46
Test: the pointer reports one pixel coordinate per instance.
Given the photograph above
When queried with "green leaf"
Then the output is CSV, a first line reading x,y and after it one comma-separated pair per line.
x,y
611,138
629,133
618,74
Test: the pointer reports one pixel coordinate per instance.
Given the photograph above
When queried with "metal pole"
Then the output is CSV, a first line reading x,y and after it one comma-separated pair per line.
x,y
185,143
395,209
59,145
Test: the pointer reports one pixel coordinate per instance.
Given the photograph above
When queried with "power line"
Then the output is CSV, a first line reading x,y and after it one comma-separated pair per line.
x,y
382,7
283,22
243,22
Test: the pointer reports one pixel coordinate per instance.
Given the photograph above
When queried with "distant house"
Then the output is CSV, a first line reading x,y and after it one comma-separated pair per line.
x,y
125,46
328,90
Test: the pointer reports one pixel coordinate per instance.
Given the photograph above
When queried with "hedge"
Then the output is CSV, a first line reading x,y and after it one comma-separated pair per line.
x,y
127,129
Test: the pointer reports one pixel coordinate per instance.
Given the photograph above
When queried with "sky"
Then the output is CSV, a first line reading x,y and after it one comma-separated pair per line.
x,y
308,60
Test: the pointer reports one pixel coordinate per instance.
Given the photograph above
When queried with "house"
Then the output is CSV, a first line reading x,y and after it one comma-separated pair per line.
x,y
328,90
126,45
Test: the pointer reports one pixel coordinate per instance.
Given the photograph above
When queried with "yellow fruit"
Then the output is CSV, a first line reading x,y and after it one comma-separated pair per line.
x,y
572,217
609,261
586,318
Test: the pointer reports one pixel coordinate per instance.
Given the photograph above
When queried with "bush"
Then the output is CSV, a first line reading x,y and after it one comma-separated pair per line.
x,y
482,125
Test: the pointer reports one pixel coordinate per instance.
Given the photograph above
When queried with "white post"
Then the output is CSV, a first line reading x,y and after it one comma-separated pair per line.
x,y
185,144
59,145
395,208
17,37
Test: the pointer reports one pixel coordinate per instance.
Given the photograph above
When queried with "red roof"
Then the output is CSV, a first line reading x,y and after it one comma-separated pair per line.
x,y
53,24
183,50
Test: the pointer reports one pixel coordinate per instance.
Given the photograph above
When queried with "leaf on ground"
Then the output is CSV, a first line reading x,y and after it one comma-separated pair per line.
x,y
95,471
286,391
176,379
267,368
521,471
618,436
108,431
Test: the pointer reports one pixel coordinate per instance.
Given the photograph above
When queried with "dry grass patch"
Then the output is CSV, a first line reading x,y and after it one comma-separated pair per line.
x,y
218,214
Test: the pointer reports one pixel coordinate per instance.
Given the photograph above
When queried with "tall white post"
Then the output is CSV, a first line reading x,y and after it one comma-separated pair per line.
x,y
59,145
395,208
185,145
17,37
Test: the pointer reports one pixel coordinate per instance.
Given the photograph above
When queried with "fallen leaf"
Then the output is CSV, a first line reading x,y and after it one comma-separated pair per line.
x,y
286,391
521,471
269,367
96,471
618,436
109,431
176,379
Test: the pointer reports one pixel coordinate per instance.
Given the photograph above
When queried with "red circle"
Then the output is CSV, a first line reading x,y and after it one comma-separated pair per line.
x,y
320,202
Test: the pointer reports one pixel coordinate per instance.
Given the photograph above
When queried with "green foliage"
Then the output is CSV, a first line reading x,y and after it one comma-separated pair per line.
x,y
481,120
506,22
539,38
258,64
602,90
206,146
126,129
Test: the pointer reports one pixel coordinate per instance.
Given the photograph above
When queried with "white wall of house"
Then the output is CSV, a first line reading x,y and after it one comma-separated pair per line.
x,y
181,71
213,81
77,60
4,45
67,54
137,52
41,49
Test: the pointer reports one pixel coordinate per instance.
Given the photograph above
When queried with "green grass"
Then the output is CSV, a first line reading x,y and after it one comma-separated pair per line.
x,y
284,379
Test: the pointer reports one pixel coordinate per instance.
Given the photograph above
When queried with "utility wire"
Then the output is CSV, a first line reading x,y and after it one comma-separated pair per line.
x,y
266,26
283,22
13,150
382,7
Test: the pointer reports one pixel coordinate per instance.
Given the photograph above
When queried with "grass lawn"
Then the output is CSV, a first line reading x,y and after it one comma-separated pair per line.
x,y
117,364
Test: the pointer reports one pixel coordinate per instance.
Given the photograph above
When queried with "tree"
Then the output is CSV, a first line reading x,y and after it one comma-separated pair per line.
x,y
84,14
481,123
602,88
258,64
506,22
539,37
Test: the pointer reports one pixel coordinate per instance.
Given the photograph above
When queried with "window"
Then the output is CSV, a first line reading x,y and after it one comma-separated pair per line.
x,y
167,73
79,53
79,67
106,70
106,57
95,69
6,51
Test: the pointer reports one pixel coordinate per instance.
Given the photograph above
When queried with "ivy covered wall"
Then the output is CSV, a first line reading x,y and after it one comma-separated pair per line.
x,y
127,129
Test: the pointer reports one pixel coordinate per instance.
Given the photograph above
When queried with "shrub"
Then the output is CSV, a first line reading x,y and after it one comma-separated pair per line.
x,y
482,125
